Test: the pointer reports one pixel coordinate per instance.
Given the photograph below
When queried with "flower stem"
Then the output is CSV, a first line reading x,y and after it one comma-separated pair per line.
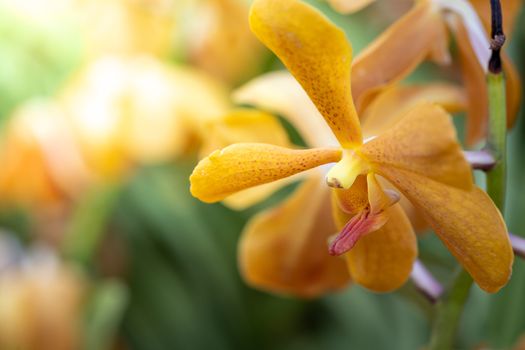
x,y
450,308
497,139
449,312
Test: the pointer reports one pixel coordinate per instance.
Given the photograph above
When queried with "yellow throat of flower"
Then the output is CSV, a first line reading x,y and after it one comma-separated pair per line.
x,y
344,173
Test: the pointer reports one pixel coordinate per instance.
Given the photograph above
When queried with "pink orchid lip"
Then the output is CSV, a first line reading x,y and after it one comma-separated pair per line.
x,y
358,226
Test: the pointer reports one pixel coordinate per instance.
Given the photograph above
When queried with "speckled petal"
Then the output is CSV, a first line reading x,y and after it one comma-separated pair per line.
x,y
423,142
467,222
317,53
244,165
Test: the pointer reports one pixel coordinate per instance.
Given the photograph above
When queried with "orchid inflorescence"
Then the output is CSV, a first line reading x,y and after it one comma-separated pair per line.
x,y
398,162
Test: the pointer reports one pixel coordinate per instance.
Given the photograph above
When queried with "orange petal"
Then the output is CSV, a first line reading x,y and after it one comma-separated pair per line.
x,y
475,86
244,165
397,51
392,104
317,53
244,125
382,260
278,92
223,47
513,90
423,142
467,222
284,249
415,215
349,6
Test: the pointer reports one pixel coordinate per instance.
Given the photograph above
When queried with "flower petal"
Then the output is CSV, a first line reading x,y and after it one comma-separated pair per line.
x,y
513,90
476,87
285,248
253,195
467,222
423,142
317,53
392,104
278,92
244,125
382,260
244,165
397,51
349,6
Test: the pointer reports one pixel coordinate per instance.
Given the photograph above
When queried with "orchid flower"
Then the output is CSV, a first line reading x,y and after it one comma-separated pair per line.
x,y
221,46
422,33
419,155
115,113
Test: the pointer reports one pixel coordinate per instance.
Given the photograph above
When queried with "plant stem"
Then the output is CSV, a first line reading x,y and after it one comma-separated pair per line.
x,y
450,308
449,312
497,139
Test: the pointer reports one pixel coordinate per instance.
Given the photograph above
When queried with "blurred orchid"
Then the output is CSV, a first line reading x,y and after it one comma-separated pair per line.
x,y
221,42
128,27
426,166
41,303
116,113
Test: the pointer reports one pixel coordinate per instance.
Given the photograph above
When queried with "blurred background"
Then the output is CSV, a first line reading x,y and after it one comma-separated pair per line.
x,y
104,106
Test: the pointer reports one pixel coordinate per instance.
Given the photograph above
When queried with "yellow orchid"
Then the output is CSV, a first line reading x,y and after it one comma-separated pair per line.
x,y
128,27
138,110
220,41
422,33
116,113
42,304
426,166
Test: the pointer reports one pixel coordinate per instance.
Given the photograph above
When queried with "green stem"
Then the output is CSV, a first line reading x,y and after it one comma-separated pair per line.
x,y
497,139
450,308
449,312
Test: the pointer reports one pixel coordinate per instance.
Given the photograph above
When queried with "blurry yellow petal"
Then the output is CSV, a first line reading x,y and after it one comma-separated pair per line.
x,y
476,88
317,53
278,92
349,6
392,104
423,142
382,260
396,52
467,222
244,125
128,27
253,195
244,165
220,41
137,109
513,90
285,248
